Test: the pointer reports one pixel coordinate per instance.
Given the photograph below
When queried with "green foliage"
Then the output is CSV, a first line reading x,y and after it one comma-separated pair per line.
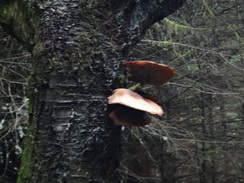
x,y
206,5
234,116
175,27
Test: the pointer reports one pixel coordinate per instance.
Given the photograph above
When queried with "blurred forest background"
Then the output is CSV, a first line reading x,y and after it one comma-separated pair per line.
x,y
200,138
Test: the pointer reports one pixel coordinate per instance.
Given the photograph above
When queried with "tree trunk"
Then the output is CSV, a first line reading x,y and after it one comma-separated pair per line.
x,y
78,48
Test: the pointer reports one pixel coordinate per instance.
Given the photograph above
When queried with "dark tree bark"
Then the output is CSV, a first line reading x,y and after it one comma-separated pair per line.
x,y
78,48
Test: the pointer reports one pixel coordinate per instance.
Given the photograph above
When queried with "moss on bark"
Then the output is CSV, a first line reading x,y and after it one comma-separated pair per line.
x,y
26,157
16,17
27,153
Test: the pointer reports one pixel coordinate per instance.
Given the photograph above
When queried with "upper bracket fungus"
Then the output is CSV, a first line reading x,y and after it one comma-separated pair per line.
x,y
147,72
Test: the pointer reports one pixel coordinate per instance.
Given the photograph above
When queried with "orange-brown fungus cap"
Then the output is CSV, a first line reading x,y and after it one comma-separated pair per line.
x,y
134,100
147,72
126,116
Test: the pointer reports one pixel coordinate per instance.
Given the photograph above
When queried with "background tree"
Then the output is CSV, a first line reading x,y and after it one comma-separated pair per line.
x,y
77,50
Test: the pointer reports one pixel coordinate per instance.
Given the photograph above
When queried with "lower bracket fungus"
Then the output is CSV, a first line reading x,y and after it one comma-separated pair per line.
x,y
126,116
132,108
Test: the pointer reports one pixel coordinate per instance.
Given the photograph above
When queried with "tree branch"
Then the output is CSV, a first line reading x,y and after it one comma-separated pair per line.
x,y
139,15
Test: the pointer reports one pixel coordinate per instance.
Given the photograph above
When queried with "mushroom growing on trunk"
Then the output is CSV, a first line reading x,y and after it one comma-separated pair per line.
x,y
132,108
147,72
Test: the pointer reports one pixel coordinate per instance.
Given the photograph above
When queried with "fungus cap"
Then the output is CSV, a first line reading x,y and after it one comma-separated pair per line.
x,y
134,100
147,72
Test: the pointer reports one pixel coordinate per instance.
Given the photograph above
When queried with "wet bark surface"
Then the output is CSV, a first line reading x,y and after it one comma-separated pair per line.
x,y
78,50
76,67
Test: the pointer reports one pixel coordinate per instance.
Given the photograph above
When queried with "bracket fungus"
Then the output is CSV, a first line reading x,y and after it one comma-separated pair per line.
x,y
133,107
147,72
